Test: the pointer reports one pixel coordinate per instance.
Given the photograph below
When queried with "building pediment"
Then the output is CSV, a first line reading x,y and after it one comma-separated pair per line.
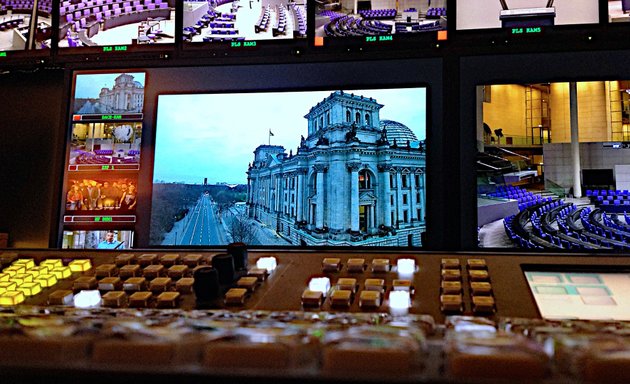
x,y
367,197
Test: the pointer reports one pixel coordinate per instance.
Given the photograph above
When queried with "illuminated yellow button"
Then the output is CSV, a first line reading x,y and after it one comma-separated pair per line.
x,y
7,286
46,280
26,277
42,269
52,263
15,269
10,272
34,272
10,298
61,272
81,265
27,263
17,279
4,277
30,289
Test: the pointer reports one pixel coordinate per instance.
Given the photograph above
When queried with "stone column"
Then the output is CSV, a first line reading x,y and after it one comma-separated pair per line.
x,y
412,196
399,205
301,198
386,206
575,140
423,192
353,168
372,211
320,169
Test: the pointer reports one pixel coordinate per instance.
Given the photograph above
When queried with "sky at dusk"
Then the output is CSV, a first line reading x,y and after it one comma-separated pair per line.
x,y
215,135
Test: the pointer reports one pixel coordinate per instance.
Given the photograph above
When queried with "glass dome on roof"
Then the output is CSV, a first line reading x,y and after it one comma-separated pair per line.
x,y
398,131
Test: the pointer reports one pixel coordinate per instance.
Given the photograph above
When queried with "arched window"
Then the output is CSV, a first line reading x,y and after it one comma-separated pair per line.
x,y
328,118
365,180
367,119
348,116
321,121
357,118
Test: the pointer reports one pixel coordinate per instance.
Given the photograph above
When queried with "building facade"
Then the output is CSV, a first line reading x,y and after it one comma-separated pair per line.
x,y
354,180
127,95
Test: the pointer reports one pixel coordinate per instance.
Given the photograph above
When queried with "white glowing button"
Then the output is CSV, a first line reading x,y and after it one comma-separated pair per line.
x,y
27,263
399,300
319,284
87,299
406,266
268,263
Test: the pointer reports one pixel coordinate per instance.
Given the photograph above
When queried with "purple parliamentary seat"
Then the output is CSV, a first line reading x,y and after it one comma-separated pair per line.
x,y
108,14
117,11
151,6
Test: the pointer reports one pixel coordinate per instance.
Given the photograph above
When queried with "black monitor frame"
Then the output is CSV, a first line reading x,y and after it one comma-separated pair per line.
x,y
352,75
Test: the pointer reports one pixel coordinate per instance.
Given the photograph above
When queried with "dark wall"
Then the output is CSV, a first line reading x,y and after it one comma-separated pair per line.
x,y
30,133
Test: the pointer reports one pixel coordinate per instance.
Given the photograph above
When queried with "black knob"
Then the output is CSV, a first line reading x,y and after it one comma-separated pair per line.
x,y
239,253
224,264
206,285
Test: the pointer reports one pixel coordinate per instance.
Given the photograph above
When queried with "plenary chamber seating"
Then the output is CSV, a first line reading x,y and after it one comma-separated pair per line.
x,y
89,17
610,200
555,224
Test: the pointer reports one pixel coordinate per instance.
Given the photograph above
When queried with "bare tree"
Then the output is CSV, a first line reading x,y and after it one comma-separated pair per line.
x,y
241,228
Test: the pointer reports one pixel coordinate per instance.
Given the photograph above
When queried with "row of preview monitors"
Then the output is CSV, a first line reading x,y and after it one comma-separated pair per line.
x,y
78,27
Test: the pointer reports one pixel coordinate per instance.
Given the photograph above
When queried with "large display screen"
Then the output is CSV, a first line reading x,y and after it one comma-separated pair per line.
x,y
581,295
488,14
553,165
316,168
372,21
107,25
101,189
24,28
241,24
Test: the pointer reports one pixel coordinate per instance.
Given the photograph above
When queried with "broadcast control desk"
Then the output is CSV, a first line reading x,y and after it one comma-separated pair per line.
x,y
298,316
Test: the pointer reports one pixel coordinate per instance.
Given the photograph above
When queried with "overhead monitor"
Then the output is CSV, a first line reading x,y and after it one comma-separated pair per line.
x,y
115,26
552,166
292,168
379,23
243,24
519,14
618,11
25,28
